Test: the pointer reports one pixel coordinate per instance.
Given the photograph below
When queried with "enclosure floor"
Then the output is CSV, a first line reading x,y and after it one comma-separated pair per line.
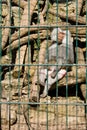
x,y
60,117
20,125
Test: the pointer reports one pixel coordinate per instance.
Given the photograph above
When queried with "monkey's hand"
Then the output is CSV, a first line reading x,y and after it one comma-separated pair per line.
x,y
54,73
43,95
60,74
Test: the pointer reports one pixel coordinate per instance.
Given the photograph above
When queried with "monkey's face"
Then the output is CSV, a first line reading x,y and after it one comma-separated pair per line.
x,y
61,36
57,35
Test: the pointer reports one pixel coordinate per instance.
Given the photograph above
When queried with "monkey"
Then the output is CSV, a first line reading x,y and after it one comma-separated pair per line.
x,y
61,53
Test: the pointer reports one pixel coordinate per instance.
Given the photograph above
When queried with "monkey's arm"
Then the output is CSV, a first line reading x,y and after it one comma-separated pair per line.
x,y
56,69
61,60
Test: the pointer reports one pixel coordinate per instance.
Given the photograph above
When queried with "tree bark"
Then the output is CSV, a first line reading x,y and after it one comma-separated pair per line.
x,y
35,88
6,31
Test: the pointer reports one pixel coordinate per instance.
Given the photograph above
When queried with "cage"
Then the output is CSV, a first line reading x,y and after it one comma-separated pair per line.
x,y
30,98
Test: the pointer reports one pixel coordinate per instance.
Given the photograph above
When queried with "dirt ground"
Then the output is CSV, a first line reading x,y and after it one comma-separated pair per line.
x,y
52,113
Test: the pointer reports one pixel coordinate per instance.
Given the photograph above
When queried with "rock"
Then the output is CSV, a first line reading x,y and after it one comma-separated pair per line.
x,y
8,116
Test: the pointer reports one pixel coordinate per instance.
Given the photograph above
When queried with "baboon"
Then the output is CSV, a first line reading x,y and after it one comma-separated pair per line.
x,y
60,55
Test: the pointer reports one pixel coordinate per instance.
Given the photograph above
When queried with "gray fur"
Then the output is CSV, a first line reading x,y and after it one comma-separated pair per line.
x,y
61,54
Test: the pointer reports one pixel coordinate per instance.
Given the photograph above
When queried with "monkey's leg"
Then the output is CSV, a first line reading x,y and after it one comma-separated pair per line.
x,y
54,73
61,74
51,81
47,85
46,89
43,75
56,69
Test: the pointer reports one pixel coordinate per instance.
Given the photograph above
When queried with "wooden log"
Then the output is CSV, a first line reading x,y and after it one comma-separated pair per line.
x,y
35,88
25,39
6,30
73,77
62,14
25,31
45,7
16,12
80,5
28,69
26,75
22,3
25,21
72,18
63,25
17,72
83,88
20,56
80,32
84,8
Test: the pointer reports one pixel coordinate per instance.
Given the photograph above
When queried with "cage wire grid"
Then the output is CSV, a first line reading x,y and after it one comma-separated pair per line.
x,y
26,39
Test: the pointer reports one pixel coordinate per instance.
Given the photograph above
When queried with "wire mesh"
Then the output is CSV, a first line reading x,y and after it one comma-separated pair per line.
x,y
30,98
